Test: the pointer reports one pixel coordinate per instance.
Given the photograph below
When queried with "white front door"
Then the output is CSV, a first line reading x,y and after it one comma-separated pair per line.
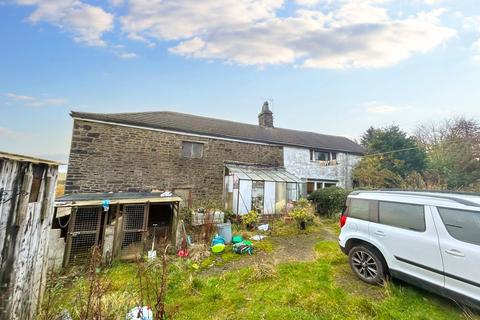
x,y
459,233
407,234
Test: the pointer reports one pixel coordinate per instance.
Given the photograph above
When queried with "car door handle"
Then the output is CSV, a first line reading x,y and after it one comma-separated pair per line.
x,y
455,252
379,233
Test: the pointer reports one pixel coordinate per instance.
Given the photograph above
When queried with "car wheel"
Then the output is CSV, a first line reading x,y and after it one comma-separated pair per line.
x,y
367,264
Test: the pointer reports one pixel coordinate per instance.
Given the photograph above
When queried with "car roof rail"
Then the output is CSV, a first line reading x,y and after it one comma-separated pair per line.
x,y
431,194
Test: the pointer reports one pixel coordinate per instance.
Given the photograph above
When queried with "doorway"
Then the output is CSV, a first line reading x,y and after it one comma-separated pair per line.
x,y
160,219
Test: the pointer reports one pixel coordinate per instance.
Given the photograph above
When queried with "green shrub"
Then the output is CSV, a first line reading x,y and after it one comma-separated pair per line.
x,y
250,219
329,201
302,213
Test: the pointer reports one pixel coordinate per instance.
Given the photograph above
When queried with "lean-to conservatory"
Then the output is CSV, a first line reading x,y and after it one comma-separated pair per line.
x,y
264,189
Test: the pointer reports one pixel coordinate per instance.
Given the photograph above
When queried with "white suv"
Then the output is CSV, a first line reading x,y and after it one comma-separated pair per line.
x,y
429,239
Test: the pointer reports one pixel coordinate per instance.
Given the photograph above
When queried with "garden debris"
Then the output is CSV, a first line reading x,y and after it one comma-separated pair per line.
x,y
218,240
64,315
199,252
152,254
183,253
166,194
237,239
243,247
218,244
218,248
140,313
263,227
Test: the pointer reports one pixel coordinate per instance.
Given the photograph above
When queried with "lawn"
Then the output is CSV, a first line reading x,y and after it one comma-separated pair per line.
x,y
319,286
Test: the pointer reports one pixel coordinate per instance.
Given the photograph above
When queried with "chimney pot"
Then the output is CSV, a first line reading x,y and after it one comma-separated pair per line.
x,y
265,118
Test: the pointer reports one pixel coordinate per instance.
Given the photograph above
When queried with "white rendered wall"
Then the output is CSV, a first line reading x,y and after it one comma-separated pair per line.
x,y
297,161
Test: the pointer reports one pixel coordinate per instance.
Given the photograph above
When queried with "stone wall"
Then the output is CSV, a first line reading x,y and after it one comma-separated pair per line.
x,y
24,233
297,161
107,157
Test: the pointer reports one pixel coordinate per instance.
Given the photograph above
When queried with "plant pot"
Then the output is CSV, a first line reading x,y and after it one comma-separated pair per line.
x,y
302,225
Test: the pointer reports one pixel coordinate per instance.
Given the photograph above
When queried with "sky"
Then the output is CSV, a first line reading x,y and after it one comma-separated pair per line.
x,y
333,67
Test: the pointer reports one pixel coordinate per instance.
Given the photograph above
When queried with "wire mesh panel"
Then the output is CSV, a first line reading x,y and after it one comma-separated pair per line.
x,y
84,234
133,230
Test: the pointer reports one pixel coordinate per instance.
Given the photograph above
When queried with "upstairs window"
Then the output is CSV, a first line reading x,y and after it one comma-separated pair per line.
x,y
192,150
316,155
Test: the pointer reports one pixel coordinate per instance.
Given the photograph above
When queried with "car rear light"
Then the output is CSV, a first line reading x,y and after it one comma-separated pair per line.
x,y
343,220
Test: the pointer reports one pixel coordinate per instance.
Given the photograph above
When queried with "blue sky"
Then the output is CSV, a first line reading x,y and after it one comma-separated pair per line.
x,y
328,66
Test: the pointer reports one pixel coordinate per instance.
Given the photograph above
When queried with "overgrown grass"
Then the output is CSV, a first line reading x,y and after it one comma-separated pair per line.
x,y
320,289
282,229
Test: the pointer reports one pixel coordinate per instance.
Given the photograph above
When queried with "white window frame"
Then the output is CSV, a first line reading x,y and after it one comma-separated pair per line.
x,y
320,184
331,155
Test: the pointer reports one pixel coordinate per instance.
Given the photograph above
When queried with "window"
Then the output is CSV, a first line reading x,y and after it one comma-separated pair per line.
x,y
402,215
192,150
462,225
316,155
319,155
314,185
359,209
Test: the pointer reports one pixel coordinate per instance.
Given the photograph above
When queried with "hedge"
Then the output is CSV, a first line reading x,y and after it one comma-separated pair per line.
x,y
329,201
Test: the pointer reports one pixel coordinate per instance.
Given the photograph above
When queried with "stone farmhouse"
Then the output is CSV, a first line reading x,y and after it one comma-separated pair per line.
x,y
129,175
234,165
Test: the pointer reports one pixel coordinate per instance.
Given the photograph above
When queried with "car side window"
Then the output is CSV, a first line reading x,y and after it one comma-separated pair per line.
x,y
359,209
402,215
461,224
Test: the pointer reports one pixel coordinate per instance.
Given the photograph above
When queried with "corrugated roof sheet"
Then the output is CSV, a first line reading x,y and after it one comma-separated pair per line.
x,y
112,196
23,158
262,173
187,123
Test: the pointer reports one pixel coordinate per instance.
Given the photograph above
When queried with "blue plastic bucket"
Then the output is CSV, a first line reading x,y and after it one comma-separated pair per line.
x,y
225,231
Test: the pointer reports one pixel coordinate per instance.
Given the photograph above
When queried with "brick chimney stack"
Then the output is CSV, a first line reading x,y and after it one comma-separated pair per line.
x,y
265,118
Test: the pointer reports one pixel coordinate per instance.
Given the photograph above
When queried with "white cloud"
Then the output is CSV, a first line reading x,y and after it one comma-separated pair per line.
x,y
116,3
180,19
433,2
476,50
6,132
349,34
127,55
86,23
17,97
307,3
472,24
381,109
378,107
33,102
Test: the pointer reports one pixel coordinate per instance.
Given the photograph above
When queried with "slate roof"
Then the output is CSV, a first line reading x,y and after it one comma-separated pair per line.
x,y
193,124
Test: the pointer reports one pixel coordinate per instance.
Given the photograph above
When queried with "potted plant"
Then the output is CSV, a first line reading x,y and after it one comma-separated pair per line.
x,y
250,219
302,213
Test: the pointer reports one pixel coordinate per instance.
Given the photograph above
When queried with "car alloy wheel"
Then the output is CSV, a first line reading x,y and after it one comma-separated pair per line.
x,y
365,265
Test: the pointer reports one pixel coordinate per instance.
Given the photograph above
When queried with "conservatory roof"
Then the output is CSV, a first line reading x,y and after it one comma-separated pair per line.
x,y
261,173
